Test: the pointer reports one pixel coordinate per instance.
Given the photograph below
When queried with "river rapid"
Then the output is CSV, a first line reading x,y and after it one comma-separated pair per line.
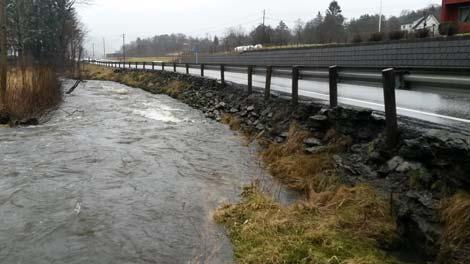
x,y
119,175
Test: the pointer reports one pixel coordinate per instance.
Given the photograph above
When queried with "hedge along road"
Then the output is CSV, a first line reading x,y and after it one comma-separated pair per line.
x,y
119,175
448,107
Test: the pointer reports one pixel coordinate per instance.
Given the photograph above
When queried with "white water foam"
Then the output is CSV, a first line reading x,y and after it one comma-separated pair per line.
x,y
157,114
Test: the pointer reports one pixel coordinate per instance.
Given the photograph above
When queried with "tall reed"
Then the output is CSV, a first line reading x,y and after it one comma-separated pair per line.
x,y
31,91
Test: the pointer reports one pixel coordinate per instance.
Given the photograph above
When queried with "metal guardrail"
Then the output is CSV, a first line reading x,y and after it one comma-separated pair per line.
x,y
407,77
390,78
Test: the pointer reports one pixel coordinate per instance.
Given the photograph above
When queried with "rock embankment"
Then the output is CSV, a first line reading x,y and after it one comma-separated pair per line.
x,y
427,167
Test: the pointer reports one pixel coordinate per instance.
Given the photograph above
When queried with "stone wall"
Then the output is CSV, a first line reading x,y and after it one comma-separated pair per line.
x,y
437,53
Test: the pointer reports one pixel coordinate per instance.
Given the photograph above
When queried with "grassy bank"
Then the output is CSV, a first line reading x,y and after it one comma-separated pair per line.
x,y
335,224
342,226
30,92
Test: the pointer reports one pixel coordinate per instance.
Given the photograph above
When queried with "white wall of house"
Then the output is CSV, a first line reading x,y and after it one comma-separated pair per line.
x,y
431,23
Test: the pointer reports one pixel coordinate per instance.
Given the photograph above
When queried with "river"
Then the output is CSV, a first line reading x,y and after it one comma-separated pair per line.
x,y
118,175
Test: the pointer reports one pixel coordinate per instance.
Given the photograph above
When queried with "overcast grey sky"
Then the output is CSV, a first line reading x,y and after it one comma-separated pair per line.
x,y
109,19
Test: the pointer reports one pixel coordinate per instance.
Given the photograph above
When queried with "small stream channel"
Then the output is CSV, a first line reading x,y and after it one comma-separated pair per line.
x,y
119,175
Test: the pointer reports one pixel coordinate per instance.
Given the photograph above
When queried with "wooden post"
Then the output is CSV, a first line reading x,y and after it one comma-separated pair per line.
x,y
136,66
202,70
391,121
174,66
143,65
163,66
187,68
250,79
153,66
295,85
267,90
333,76
222,74
129,65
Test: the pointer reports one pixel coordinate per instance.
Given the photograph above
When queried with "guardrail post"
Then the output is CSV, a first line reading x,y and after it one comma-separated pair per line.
x,y
250,79
389,85
333,76
163,66
153,66
202,70
129,65
267,90
136,65
187,68
222,74
295,85
174,66
143,65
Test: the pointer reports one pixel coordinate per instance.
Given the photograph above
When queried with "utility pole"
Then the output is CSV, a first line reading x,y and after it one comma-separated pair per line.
x,y
104,48
265,37
380,16
264,18
3,52
124,47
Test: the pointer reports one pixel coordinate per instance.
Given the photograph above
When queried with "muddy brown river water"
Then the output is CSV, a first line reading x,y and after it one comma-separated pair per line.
x,y
118,175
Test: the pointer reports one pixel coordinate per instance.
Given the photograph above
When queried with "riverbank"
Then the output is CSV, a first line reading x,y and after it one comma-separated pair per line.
x,y
31,92
324,152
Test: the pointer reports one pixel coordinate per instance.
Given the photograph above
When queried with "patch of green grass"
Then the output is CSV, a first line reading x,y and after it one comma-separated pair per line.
x,y
344,226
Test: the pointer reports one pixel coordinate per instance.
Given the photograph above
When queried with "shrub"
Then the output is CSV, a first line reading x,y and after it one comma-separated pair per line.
x,y
377,36
356,39
396,35
422,33
448,28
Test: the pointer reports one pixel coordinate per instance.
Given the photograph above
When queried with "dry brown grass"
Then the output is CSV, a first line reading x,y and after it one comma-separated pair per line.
x,y
342,226
174,88
232,121
456,238
311,173
95,72
31,91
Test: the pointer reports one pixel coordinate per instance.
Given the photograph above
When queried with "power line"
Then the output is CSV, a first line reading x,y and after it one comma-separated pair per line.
x,y
223,24
222,28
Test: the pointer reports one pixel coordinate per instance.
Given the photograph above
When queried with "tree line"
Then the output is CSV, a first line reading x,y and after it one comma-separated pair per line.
x,y
37,39
45,31
327,27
